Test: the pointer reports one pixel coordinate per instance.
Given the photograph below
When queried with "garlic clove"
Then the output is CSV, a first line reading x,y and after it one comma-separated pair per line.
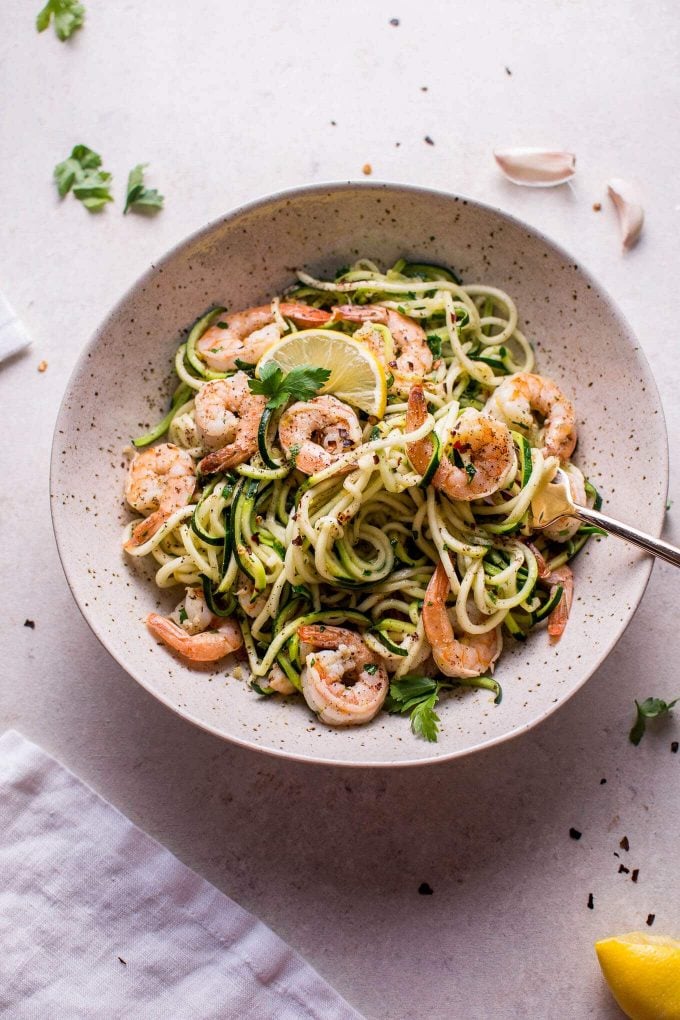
x,y
536,168
631,215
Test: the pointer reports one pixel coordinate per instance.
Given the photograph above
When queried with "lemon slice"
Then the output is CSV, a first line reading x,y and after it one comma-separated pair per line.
x,y
357,377
643,974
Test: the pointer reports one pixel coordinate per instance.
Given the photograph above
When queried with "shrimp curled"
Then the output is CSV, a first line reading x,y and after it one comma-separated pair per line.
x,y
415,357
321,430
228,415
196,645
346,683
468,656
520,394
246,335
557,620
486,443
159,481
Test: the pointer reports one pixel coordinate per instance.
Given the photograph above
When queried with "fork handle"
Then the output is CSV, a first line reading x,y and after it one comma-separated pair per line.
x,y
655,546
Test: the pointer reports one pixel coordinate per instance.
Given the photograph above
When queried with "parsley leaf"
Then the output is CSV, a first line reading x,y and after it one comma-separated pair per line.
x,y
434,342
650,708
81,174
301,383
424,719
183,615
68,16
138,197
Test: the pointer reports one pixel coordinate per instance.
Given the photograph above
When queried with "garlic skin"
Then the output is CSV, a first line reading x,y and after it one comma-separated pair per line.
x,y
631,215
536,168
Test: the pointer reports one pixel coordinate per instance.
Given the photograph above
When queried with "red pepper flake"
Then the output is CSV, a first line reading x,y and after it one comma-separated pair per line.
x,y
650,919
29,623
634,876
424,889
674,747
623,870
591,902
624,844
574,833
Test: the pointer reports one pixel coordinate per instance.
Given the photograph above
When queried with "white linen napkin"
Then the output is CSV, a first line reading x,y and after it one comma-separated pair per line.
x,y
13,335
97,920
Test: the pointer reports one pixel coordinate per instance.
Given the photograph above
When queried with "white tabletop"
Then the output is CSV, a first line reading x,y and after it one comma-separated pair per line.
x,y
228,102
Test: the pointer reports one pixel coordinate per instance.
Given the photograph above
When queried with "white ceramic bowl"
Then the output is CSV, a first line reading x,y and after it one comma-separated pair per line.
x,y
122,382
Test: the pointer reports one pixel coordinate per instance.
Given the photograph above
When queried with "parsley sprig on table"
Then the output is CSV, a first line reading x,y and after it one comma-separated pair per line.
x,y
650,708
81,173
68,16
419,695
138,196
301,383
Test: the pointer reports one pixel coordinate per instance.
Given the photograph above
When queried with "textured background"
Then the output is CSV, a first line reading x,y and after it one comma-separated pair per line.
x,y
228,105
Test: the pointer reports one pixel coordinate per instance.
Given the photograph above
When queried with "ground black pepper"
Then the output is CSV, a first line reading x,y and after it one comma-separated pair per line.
x,y
624,844
634,876
424,889
29,623
591,902
623,870
574,833
674,747
650,919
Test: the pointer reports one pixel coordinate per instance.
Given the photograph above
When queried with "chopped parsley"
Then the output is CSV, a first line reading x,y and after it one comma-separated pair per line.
x,y
301,383
434,342
371,669
138,197
650,708
183,615
81,174
68,16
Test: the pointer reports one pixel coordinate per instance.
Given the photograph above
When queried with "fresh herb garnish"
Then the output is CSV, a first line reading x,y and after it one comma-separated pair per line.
x,y
68,16
138,197
470,471
183,615
245,366
301,383
650,708
371,669
418,695
81,173
434,342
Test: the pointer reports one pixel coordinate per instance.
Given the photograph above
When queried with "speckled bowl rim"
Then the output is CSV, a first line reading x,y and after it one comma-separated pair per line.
x,y
59,516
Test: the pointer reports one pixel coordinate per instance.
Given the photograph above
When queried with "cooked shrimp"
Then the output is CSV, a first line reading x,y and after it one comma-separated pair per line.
x,y
160,480
346,683
468,656
519,395
415,357
192,613
320,430
557,620
248,334
228,416
279,682
565,528
250,602
484,445
197,646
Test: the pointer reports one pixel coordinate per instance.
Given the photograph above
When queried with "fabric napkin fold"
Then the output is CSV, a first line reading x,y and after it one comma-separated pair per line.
x,y
97,920
13,335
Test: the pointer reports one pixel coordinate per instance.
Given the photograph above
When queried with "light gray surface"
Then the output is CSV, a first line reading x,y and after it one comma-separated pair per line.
x,y
228,106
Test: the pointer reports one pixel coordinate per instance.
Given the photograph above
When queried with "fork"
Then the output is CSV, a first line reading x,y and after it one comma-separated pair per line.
x,y
554,500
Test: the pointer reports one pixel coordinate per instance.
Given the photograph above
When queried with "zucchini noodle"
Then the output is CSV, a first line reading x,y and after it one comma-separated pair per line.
x,y
356,543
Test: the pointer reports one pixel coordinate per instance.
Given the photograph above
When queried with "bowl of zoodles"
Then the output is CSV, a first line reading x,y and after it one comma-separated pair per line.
x,y
325,419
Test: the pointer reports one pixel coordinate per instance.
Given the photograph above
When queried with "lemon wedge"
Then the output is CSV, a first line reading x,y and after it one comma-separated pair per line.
x,y
643,974
357,377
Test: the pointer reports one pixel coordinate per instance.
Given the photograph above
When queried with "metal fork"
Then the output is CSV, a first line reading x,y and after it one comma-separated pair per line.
x,y
554,501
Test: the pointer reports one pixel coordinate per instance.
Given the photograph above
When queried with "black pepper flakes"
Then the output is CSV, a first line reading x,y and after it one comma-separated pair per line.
x,y
124,962
650,919
624,844
634,876
623,870
394,22
428,140
602,782
425,889
29,623
591,902
674,747
574,833
508,72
